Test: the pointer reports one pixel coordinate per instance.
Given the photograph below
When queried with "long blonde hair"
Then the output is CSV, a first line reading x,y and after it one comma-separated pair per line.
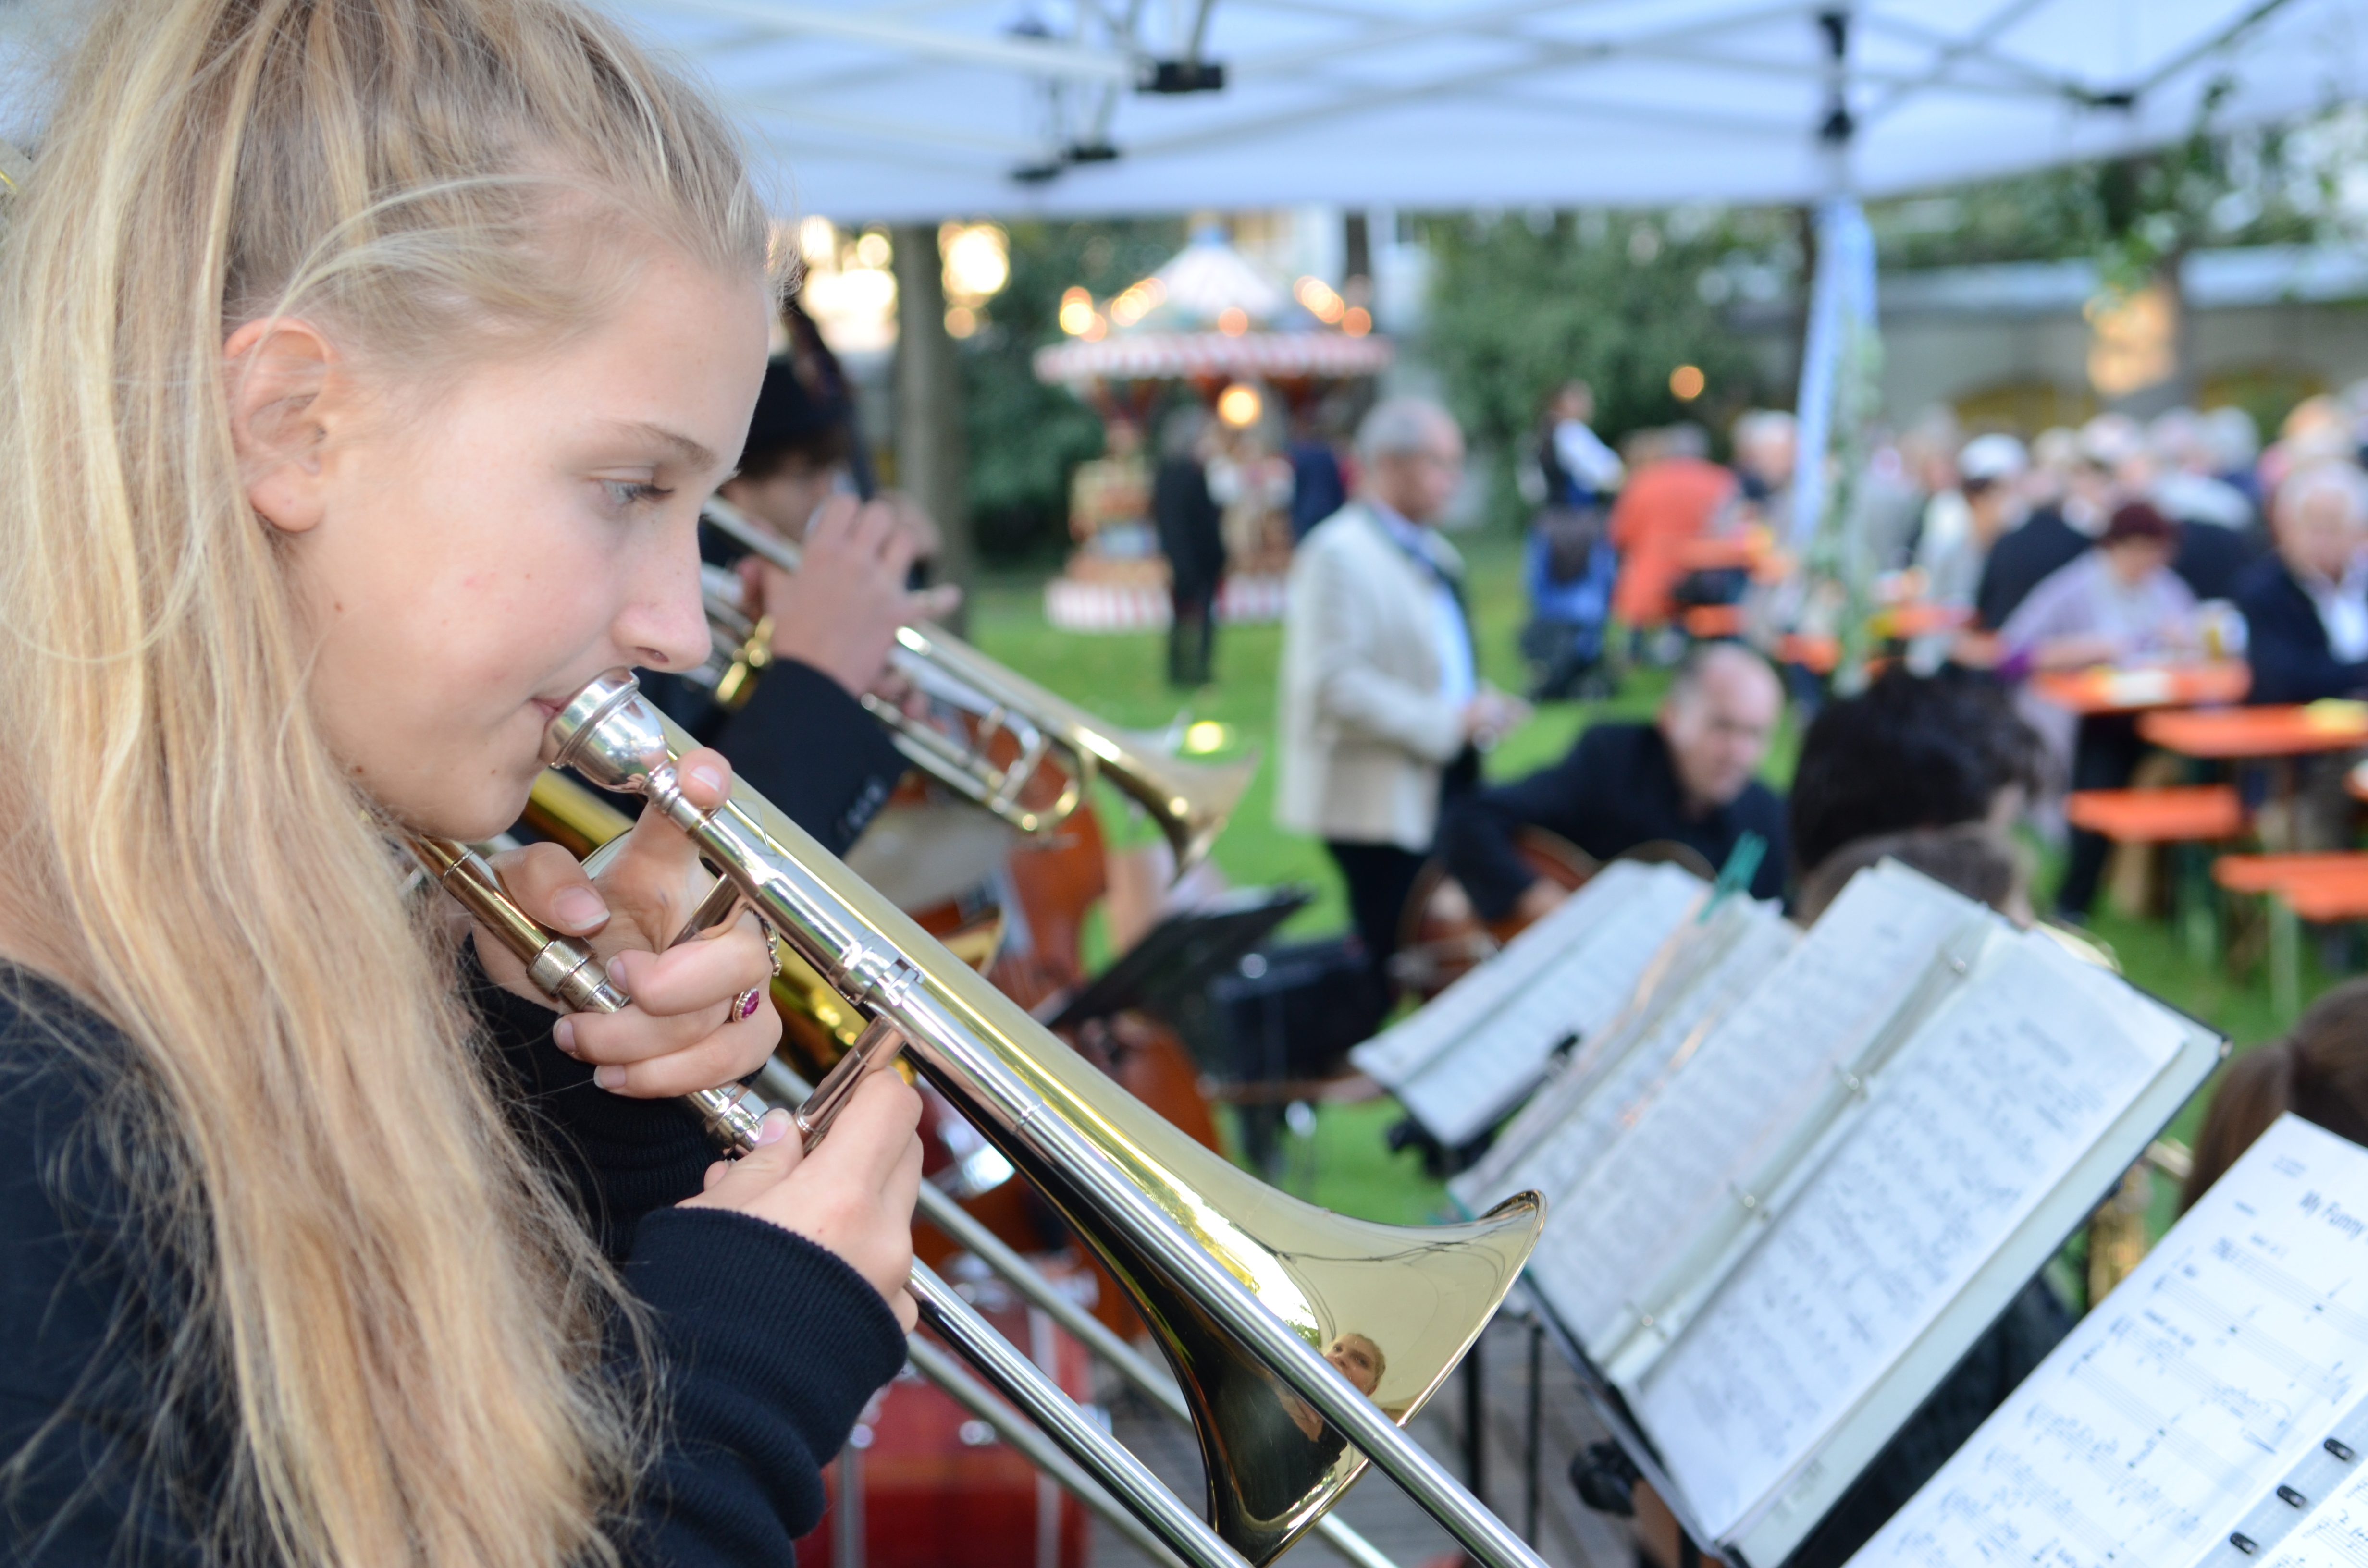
x,y
406,1321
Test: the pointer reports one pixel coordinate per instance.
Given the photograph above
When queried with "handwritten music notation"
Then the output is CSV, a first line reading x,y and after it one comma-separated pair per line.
x,y
1464,1059
2179,1402
1586,1116
1621,1226
1983,1111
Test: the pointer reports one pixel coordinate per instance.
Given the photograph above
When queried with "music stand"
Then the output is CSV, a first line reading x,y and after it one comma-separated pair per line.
x,y
1178,957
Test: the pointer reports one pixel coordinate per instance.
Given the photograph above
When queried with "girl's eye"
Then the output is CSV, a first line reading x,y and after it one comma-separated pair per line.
x,y
624,493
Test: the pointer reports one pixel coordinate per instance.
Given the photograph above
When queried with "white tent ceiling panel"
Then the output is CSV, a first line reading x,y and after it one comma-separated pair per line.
x,y
864,111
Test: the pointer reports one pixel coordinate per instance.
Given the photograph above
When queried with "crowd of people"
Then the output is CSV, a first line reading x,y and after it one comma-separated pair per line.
x,y
1383,717
2089,555
2116,544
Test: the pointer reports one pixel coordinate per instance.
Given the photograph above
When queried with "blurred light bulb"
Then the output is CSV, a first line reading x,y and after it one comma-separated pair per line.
x,y
818,243
1240,406
1686,383
978,262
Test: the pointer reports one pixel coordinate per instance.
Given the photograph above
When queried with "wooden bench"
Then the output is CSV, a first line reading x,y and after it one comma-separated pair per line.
x,y
2327,887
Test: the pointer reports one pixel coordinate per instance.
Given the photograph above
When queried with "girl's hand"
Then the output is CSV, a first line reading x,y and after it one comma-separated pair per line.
x,y
852,1193
681,1033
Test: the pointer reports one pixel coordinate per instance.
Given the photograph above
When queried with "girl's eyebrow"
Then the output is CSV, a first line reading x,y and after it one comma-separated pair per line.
x,y
685,450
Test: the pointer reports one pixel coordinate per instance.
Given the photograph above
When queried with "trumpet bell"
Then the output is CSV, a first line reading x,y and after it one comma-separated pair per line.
x,y
1398,1305
1190,801
1393,1308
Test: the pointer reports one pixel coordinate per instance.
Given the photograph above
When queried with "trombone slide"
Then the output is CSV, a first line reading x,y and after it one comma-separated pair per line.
x,y
1242,1285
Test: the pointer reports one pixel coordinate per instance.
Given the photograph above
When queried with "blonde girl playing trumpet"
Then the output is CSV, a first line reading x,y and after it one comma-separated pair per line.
x,y
363,364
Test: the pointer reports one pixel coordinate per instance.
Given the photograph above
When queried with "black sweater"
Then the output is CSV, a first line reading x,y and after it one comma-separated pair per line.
x,y
2023,559
1615,790
2286,642
771,1344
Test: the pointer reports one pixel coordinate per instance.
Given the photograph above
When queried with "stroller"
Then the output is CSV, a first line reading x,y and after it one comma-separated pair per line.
x,y
1568,569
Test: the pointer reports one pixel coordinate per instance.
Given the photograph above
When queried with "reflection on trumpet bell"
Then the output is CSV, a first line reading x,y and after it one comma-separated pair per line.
x,y
1120,1175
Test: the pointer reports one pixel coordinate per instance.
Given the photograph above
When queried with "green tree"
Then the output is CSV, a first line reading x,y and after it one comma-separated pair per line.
x,y
2259,186
1026,438
1618,299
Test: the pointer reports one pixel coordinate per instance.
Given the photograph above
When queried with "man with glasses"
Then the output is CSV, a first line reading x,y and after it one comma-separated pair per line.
x,y
1689,777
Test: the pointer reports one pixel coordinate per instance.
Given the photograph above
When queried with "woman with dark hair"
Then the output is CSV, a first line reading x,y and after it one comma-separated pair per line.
x,y
2120,603
2320,1072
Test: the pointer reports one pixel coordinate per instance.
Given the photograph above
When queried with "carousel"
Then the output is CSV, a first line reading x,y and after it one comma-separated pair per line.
x,y
1264,359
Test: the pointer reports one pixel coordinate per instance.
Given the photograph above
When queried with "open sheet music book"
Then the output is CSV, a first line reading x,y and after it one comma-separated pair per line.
x,y
2211,1411
1704,968
1678,1149
1781,1219
1469,1056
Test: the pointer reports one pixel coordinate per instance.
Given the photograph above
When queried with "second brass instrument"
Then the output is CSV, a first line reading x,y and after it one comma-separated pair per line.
x,y
1190,801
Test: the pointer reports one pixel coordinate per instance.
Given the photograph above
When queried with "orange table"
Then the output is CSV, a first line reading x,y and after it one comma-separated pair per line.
x,y
1818,655
2105,690
2245,734
2325,887
2177,815
1708,622
1721,553
1921,620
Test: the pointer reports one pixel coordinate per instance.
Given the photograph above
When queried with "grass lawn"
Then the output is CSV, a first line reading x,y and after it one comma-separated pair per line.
x,y
1345,1165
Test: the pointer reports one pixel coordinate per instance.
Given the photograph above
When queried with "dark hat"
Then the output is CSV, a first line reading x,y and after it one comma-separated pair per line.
x,y
791,419
2136,519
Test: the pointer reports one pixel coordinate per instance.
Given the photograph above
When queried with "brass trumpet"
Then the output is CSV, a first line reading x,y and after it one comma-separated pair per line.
x,y
1246,1289
1190,801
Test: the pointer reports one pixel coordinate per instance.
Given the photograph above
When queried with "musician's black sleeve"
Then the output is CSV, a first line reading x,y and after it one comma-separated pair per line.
x,y
770,1346
809,747
1477,835
622,1157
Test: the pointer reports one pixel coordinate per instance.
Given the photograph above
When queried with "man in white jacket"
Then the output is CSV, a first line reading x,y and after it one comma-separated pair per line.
x,y
1382,704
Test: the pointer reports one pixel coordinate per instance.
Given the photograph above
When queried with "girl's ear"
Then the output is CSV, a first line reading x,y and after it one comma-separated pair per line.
x,y
277,378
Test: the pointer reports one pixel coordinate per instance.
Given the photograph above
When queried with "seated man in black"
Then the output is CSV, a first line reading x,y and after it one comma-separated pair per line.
x,y
1685,777
803,739
2306,607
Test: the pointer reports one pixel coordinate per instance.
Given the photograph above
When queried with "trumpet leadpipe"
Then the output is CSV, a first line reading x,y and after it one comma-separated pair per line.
x,y
1188,800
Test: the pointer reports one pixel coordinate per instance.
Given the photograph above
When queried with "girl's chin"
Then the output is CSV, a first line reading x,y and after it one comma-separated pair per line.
x,y
488,805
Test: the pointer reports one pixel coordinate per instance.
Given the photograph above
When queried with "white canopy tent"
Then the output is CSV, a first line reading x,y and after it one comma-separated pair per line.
x,y
931,108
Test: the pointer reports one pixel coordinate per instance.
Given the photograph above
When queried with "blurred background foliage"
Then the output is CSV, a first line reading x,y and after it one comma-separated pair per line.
x,y
1026,438
1520,304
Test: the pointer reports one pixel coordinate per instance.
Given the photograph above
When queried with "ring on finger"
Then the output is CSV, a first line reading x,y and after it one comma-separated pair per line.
x,y
744,1006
